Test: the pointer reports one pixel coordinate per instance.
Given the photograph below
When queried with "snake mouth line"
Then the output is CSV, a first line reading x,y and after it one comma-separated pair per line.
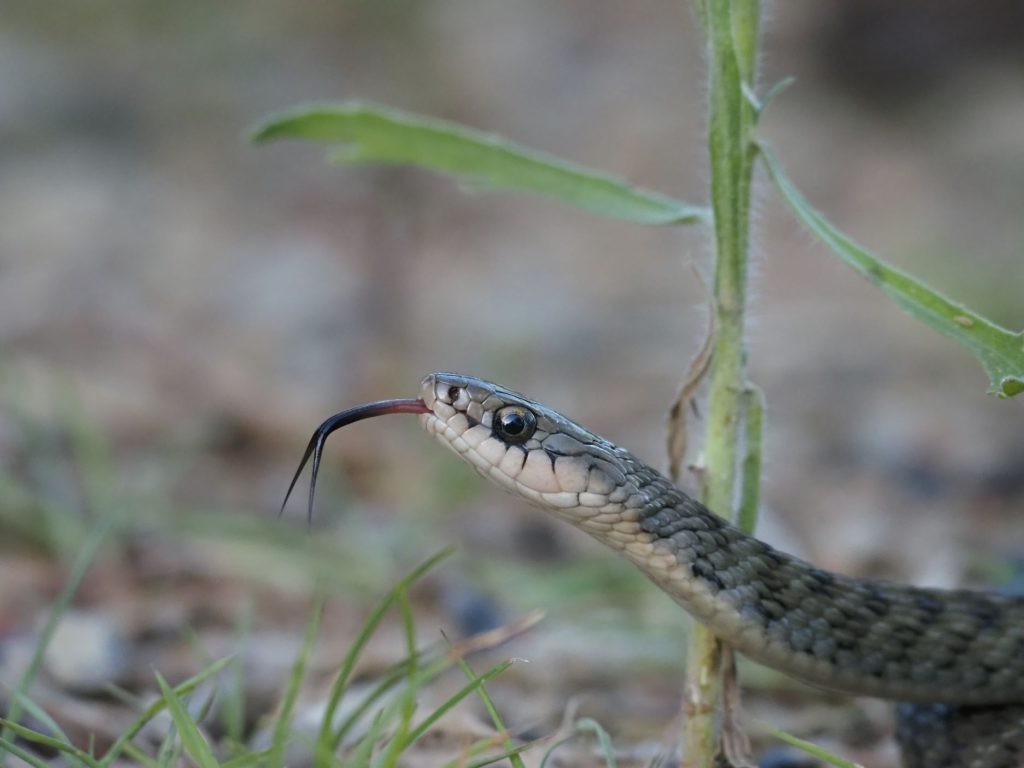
x,y
315,447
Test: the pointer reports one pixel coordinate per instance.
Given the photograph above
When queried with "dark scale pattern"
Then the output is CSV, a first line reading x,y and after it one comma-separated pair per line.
x,y
865,637
943,736
874,638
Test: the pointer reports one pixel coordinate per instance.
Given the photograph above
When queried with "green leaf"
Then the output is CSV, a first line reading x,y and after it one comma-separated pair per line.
x,y
813,749
141,757
374,134
328,739
586,724
157,707
42,716
581,726
1000,351
195,743
398,673
9,747
78,756
474,684
512,754
513,758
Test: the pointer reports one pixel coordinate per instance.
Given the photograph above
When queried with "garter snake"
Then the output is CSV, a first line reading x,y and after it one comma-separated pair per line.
x,y
956,655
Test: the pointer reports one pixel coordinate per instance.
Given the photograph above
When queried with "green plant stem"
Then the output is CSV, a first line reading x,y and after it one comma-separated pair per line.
x,y
731,33
750,484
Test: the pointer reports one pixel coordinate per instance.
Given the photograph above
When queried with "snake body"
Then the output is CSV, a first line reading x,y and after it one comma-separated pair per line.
x,y
956,655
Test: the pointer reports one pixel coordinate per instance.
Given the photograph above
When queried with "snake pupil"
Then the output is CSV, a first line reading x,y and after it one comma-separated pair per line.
x,y
515,424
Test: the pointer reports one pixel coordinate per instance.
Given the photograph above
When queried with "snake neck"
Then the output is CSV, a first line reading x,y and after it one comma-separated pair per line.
x,y
854,635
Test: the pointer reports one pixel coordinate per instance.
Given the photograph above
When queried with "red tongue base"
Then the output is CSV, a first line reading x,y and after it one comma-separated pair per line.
x,y
337,421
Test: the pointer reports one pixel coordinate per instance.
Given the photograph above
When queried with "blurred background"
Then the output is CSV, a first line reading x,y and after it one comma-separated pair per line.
x,y
179,309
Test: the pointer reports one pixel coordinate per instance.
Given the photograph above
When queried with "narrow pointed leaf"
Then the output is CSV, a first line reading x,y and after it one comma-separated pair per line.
x,y
8,747
327,742
78,756
1000,351
193,739
374,134
813,750
157,707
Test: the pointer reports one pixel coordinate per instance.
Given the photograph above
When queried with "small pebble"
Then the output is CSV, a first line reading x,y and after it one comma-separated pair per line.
x,y
87,652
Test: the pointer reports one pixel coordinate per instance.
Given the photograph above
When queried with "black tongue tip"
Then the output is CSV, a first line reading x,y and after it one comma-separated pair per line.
x,y
315,447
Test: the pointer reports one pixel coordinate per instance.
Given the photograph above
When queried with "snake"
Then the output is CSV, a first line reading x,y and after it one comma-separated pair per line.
x,y
953,657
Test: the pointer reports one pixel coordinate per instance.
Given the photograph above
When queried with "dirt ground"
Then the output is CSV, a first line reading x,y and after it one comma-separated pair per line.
x,y
179,309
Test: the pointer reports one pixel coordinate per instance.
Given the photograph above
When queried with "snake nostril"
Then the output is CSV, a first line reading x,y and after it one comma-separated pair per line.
x,y
453,394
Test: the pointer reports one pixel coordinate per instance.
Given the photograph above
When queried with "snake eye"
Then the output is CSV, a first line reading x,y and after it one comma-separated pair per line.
x,y
515,424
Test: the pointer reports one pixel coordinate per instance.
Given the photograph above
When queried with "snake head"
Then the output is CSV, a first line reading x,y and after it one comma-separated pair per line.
x,y
518,444
523,446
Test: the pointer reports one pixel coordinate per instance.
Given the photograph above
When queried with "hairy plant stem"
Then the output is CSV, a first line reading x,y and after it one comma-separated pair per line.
x,y
731,31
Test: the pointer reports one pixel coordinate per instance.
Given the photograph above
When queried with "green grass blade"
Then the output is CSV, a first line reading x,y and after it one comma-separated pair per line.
x,y
813,749
408,628
429,671
169,754
587,724
42,716
552,748
398,743
512,754
374,134
362,753
328,739
140,757
389,680
513,757
9,747
284,719
84,560
63,746
170,749
157,707
191,737
122,695
233,700
581,726
474,684
1000,351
